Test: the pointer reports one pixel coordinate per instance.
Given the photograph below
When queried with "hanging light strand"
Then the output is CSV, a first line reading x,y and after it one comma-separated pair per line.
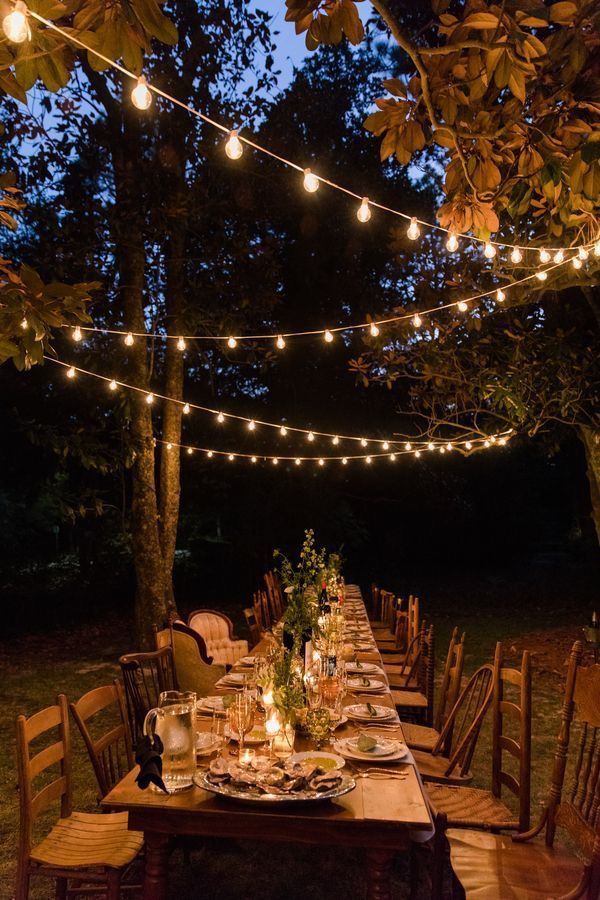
x,y
236,140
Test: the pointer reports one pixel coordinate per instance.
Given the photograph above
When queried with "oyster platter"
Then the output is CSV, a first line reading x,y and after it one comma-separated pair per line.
x,y
279,782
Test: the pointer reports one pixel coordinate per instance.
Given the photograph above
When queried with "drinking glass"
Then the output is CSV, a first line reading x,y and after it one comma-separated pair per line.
x,y
317,724
174,721
242,717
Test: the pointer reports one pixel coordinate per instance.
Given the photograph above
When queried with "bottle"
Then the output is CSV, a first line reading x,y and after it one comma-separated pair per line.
x,y
324,600
595,621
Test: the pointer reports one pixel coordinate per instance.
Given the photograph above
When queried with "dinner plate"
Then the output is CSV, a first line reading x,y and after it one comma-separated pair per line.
x,y
355,684
207,743
366,668
233,678
246,661
399,750
359,712
346,785
211,704
258,735
327,761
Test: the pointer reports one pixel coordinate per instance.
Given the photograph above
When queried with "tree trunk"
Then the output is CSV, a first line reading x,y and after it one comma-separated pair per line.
x,y
591,442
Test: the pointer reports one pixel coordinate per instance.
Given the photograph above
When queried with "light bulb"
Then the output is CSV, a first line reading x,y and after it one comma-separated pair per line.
x,y
363,442
502,441
385,445
190,450
253,459
141,97
231,457
24,324
15,24
486,443
328,336
516,256
489,251
280,342
77,335
408,445
468,445
297,461
209,453
442,449
493,438
452,243
231,342
128,339
113,385
597,248
233,146
417,320
310,436
363,213
251,425
462,305
220,418
71,372
430,446
500,295
335,440
344,461
541,276
577,264
368,460
150,399
181,344
413,230
283,431
417,453
373,329
583,253
321,462
448,446
558,257
186,409
311,181
544,256
275,461
393,457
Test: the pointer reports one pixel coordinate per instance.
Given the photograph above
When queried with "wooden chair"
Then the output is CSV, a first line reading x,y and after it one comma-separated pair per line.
x,y
384,628
257,609
422,737
469,807
253,626
216,629
407,625
145,677
274,595
93,849
110,753
495,865
414,699
261,606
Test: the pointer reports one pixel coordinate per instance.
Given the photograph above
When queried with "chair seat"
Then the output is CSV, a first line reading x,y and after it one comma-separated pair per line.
x,y
413,699
470,807
397,658
492,866
433,768
420,737
89,839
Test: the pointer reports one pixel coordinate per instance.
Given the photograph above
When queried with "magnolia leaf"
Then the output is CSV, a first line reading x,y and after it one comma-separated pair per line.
x,y
481,21
351,22
388,144
563,13
516,84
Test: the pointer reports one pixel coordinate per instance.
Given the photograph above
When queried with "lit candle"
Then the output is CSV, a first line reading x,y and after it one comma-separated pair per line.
x,y
246,757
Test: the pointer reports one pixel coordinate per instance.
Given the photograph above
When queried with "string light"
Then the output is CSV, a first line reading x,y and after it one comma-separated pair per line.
x,y
77,335
486,444
24,324
169,446
190,450
544,256
373,329
583,253
541,276
321,461
128,339
431,445
468,445
231,457
186,409
150,399
344,461
15,24
335,441
462,305
298,461
417,453
311,181
417,320
280,343
413,230
283,431
368,460
577,264
233,146
275,461
385,446
489,251
452,243
408,446
253,459
516,256
231,342
363,442
393,457
448,446
71,372
597,248
209,454
220,418
559,256
141,96
363,213
113,385
500,295
310,436
328,336
251,425
181,344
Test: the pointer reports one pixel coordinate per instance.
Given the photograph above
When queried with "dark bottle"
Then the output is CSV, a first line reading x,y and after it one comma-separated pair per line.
x,y
324,600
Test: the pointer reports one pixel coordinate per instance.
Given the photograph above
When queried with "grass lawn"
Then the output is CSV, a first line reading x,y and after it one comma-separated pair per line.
x,y
542,609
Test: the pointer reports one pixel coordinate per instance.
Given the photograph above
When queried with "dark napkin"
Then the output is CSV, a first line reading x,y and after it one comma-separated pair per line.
x,y
148,757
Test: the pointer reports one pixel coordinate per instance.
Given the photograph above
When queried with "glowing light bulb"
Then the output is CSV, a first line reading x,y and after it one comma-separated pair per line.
x,y
368,460
489,251
408,445
280,343
128,339
576,262
251,425
393,457
275,461
363,213
71,372
233,146
220,418
544,256
231,457
328,336
24,324
311,181
417,320
321,462
363,442
452,243
335,440
468,445
283,431
597,248
209,453
231,343
502,441
186,409
15,24
516,256
113,385
77,335
493,438
442,449
373,329
417,453
541,276
448,446
462,305
150,399
558,257
583,253
169,446
190,450
486,443
297,460
385,445
430,446
500,295
413,230
253,459
181,344
344,461
310,436
141,97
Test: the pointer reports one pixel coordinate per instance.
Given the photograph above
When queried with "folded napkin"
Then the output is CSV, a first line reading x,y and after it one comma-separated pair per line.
x,y
148,756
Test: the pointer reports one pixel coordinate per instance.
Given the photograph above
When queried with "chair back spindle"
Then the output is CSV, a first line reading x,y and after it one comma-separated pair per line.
x,y
145,677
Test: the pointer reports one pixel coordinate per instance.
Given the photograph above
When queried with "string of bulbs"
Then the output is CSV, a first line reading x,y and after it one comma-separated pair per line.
x,y
17,29
410,445
328,334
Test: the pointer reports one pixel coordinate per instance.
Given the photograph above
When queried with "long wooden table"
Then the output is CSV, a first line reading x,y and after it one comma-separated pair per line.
x,y
378,816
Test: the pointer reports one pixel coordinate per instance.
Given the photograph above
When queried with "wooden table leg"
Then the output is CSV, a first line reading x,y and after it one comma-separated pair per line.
x,y
379,865
157,847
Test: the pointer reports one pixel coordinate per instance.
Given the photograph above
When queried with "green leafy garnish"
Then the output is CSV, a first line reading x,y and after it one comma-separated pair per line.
x,y
228,700
371,710
366,743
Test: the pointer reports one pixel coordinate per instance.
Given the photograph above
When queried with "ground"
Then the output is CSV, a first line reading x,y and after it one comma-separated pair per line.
x,y
505,607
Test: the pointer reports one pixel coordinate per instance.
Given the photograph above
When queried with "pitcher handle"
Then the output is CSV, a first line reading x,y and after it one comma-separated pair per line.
x,y
149,726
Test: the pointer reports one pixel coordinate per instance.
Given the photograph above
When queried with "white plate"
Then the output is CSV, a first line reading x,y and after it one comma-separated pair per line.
x,y
355,685
233,678
315,755
358,711
365,669
258,735
211,704
246,661
207,743
399,752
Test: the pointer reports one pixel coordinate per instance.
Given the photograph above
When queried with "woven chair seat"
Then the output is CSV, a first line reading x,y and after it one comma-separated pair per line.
x,y
420,737
89,839
412,699
433,768
491,866
471,808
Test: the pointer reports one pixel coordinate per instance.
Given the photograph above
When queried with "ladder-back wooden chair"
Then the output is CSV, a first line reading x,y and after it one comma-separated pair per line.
x,y
384,628
110,750
407,625
92,849
495,865
469,807
414,699
145,677
274,595
261,603
422,737
253,626
257,609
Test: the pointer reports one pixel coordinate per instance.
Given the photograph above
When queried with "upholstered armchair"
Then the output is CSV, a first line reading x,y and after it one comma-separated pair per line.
x,y
194,669
216,629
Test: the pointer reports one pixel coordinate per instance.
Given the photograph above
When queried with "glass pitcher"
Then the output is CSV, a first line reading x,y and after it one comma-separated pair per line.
x,y
174,721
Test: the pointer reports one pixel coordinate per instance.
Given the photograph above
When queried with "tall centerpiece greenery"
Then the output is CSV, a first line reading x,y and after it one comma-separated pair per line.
x,y
301,584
